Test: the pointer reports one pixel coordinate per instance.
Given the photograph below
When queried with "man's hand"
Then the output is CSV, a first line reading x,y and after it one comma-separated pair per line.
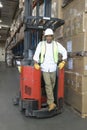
x,y
61,65
36,66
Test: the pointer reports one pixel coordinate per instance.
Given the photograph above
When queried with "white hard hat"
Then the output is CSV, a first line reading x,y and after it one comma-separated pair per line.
x,y
48,31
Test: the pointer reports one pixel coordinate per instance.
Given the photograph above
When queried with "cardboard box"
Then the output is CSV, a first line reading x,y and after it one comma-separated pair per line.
x,y
76,81
74,7
60,9
54,9
76,43
58,33
17,37
76,100
67,28
75,18
71,80
68,78
79,42
21,33
34,11
77,65
75,24
21,3
81,83
41,10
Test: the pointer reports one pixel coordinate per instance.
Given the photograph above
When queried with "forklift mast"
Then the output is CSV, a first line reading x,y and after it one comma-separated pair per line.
x,y
35,25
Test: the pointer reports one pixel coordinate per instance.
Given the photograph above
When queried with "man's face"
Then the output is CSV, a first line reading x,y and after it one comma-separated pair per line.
x,y
49,38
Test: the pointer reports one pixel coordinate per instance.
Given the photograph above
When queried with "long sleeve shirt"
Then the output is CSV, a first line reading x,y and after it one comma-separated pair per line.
x,y
49,65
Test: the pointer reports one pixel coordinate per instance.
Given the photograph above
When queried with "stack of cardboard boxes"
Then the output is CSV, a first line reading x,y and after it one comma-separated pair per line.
x,y
75,41
21,3
58,35
17,28
54,8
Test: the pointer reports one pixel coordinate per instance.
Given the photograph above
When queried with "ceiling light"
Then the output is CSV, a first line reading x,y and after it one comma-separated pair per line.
x,y
0,27
0,20
5,26
1,5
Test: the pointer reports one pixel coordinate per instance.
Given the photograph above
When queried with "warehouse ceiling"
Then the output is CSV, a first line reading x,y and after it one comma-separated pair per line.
x,y
7,14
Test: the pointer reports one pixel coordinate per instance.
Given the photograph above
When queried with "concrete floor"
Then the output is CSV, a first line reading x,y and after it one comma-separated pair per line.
x,y
12,119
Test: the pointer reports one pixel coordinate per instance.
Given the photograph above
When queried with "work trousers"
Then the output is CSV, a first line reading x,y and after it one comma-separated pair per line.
x,y
49,79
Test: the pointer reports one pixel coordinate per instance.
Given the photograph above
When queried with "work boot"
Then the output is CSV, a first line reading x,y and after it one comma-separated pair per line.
x,y
52,106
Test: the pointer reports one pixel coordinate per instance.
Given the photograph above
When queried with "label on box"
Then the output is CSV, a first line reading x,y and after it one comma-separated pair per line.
x,y
69,46
70,63
85,67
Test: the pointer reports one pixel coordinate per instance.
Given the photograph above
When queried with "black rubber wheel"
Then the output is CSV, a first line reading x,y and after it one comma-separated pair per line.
x,y
15,101
20,105
26,112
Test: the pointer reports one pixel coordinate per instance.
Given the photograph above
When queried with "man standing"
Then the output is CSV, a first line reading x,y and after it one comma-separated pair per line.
x,y
47,55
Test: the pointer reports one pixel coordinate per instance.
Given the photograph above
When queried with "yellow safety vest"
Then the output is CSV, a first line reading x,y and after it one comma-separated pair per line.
x,y
43,51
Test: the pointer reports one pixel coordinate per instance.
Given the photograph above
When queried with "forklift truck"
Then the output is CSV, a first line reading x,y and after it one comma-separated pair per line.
x,y
32,99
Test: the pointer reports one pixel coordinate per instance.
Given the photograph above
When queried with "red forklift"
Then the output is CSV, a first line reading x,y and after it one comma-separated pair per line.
x,y
32,97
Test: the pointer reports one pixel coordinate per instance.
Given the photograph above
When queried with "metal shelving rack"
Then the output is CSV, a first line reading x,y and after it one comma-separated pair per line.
x,y
33,28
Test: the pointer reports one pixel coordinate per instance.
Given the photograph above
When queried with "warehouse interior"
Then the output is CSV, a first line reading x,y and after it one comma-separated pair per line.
x,y
22,23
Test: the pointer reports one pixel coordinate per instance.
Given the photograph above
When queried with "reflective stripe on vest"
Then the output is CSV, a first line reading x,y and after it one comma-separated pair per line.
x,y
43,51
